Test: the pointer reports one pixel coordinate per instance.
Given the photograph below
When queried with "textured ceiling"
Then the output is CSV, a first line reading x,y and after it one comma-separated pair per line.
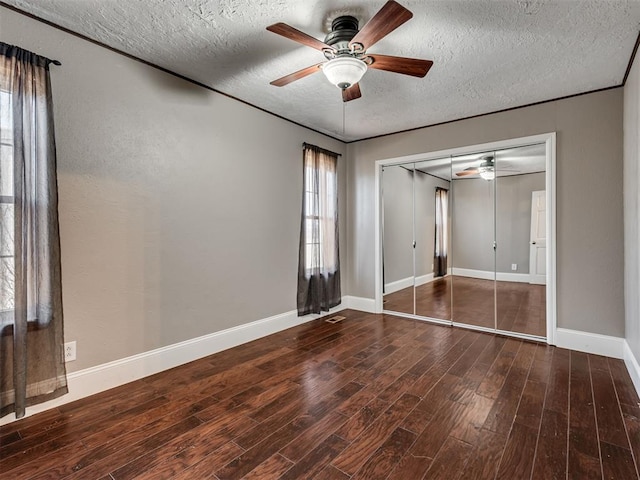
x,y
509,161
488,55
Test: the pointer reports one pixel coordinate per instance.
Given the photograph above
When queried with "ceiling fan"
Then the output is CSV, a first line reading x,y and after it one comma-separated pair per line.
x,y
486,169
345,49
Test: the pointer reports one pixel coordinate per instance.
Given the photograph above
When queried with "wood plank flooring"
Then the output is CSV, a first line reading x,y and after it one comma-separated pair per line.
x,y
371,397
519,307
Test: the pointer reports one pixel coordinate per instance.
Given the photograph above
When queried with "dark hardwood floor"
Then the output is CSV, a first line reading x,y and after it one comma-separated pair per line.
x,y
519,307
371,397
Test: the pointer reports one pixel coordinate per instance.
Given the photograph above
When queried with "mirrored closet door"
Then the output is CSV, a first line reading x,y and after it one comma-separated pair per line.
x,y
416,238
464,239
521,240
473,237
398,238
432,186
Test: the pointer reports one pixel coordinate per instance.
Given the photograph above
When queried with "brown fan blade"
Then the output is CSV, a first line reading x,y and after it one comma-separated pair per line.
x,y
388,18
466,172
298,36
292,77
407,66
351,93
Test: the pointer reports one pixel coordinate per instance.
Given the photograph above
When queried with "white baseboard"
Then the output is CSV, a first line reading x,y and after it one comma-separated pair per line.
x,y
632,366
113,374
398,285
590,342
487,275
513,277
360,303
424,279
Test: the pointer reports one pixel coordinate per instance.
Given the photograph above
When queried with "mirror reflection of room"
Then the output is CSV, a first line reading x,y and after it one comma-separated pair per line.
x,y
415,239
464,240
521,240
473,254
432,286
497,233
397,241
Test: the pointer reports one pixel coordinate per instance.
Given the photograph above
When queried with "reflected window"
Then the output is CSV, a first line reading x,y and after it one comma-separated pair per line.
x,y
442,229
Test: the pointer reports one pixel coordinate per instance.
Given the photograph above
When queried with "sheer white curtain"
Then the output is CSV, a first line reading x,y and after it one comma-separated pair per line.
x,y
32,366
319,258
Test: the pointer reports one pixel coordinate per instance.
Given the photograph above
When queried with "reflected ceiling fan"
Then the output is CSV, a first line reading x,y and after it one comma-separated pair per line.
x,y
345,49
486,169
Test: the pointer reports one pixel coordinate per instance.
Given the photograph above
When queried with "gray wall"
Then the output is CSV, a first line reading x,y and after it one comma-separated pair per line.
x,y
589,198
631,211
513,220
472,231
397,184
179,207
473,222
400,187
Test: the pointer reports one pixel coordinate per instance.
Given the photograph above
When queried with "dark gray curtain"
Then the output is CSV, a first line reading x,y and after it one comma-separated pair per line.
x,y
32,366
442,230
319,259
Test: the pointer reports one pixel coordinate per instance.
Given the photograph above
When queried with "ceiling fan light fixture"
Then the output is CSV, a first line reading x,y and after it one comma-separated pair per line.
x,y
487,173
344,72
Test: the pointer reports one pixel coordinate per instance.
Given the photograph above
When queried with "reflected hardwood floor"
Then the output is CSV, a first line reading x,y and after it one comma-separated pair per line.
x,y
371,397
521,307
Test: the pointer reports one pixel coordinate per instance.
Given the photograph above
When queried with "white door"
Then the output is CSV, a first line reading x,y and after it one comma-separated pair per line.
x,y
538,241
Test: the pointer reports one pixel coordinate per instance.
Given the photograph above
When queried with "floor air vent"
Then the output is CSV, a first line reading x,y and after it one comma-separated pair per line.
x,y
335,319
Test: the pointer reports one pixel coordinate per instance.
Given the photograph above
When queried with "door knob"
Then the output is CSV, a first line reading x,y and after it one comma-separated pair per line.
x,y
533,243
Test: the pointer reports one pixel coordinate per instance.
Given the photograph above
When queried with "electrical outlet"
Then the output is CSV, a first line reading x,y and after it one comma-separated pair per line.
x,y
514,266
70,351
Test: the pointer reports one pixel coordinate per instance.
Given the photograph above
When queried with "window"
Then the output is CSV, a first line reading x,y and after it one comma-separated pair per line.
x,y
319,259
320,215
7,300
33,371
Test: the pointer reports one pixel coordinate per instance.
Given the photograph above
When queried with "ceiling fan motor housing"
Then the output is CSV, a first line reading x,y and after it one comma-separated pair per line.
x,y
343,29
487,162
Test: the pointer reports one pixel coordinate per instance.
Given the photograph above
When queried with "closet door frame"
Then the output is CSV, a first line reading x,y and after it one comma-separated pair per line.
x,y
549,139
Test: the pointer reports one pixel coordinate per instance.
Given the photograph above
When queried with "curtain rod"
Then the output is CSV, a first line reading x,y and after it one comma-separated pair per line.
x,y
419,171
305,144
11,48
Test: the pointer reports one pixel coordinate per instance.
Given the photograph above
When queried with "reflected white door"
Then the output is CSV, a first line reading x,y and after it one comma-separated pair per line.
x,y
538,241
